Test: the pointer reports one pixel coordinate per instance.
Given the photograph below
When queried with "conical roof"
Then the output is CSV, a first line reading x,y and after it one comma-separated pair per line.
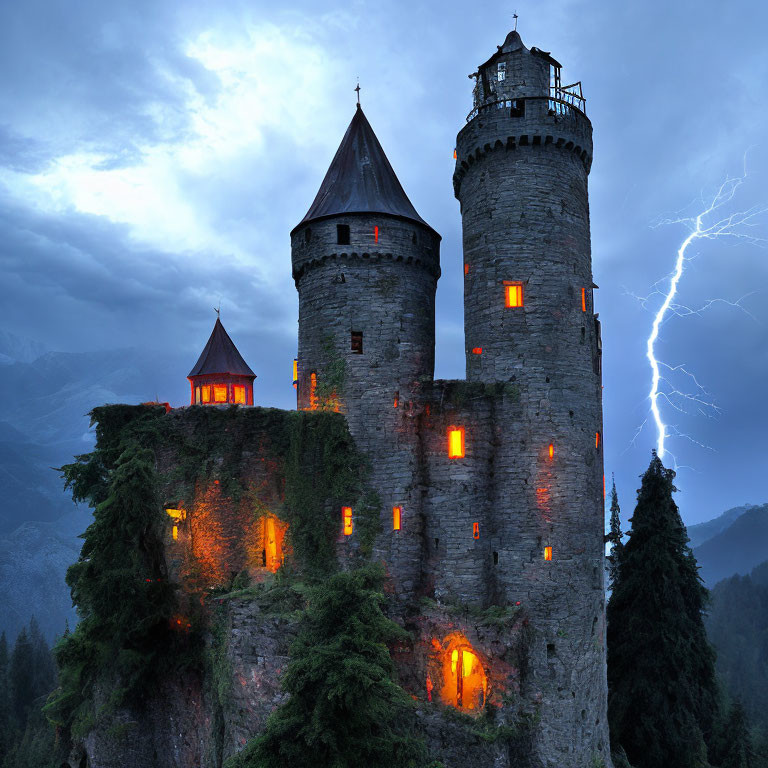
x,y
360,179
221,356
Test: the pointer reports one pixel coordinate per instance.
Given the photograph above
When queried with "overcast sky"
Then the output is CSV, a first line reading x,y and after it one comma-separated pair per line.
x,y
155,155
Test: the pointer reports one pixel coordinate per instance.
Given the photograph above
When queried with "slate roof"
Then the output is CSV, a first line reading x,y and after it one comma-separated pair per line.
x,y
221,356
360,179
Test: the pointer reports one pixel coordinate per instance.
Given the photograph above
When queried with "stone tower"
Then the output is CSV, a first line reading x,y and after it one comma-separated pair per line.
x,y
366,267
522,162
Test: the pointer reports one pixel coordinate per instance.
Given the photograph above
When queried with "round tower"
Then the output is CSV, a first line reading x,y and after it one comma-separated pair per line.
x,y
522,162
366,267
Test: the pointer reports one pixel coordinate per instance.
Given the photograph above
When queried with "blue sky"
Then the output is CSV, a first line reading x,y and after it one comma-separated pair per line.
x,y
155,155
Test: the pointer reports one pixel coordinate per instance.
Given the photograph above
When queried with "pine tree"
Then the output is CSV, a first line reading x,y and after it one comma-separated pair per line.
x,y
662,693
120,588
20,674
735,742
5,701
345,709
614,536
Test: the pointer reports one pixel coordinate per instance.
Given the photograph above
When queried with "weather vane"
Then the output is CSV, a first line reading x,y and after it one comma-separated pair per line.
x,y
217,310
358,93
514,16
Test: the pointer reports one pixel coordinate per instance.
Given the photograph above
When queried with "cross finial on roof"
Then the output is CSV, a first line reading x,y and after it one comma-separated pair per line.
x,y
358,93
217,310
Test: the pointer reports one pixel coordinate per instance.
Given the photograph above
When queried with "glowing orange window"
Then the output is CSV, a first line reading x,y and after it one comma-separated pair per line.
x,y
197,394
475,530
346,516
396,514
464,681
175,532
547,553
597,439
219,393
273,535
397,399
583,299
375,234
238,392
466,268
477,350
551,450
295,373
312,391
455,442
206,393
513,294
454,154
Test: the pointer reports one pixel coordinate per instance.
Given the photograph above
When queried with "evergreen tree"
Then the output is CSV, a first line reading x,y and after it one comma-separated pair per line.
x,y
737,742
5,701
662,693
20,674
614,536
345,709
120,587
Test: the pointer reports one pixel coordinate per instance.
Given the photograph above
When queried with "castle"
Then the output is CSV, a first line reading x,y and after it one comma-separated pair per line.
x,y
490,491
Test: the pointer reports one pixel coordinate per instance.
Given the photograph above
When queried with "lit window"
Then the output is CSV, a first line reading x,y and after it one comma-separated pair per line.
x,y
356,341
313,391
397,399
272,536
176,514
597,439
206,393
197,394
346,516
477,350
455,442
295,373
475,530
375,234
238,392
583,299
175,532
342,234
464,680
513,293
454,154
551,450
396,513
466,268
501,70
219,393
547,553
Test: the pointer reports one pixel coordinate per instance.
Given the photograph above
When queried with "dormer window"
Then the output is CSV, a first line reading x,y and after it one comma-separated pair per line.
x,y
501,72
342,234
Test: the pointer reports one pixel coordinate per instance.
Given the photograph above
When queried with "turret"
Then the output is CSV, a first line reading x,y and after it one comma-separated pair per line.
x,y
220,375
366,267
522,162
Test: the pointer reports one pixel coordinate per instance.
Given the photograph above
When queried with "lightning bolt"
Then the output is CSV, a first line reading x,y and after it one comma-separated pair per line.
x,y
714,222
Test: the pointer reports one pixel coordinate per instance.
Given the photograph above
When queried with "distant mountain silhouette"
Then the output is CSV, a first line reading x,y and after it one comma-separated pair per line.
x,y
702,532
737,549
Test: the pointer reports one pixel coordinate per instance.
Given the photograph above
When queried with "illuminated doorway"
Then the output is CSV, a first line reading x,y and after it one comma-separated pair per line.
x,y
465,684
272,538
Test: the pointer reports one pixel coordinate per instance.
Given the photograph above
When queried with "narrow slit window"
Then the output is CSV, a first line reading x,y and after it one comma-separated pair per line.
x,y
238,394
396,515
295,373
583,299
197,394
547,553
513,294
466,268
313,391
356,342
475,530
454,154
495,558
175,532
501,71
397,399
455,442
375,234
597,440
219,393
346,517
206,393
551,450
342,234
